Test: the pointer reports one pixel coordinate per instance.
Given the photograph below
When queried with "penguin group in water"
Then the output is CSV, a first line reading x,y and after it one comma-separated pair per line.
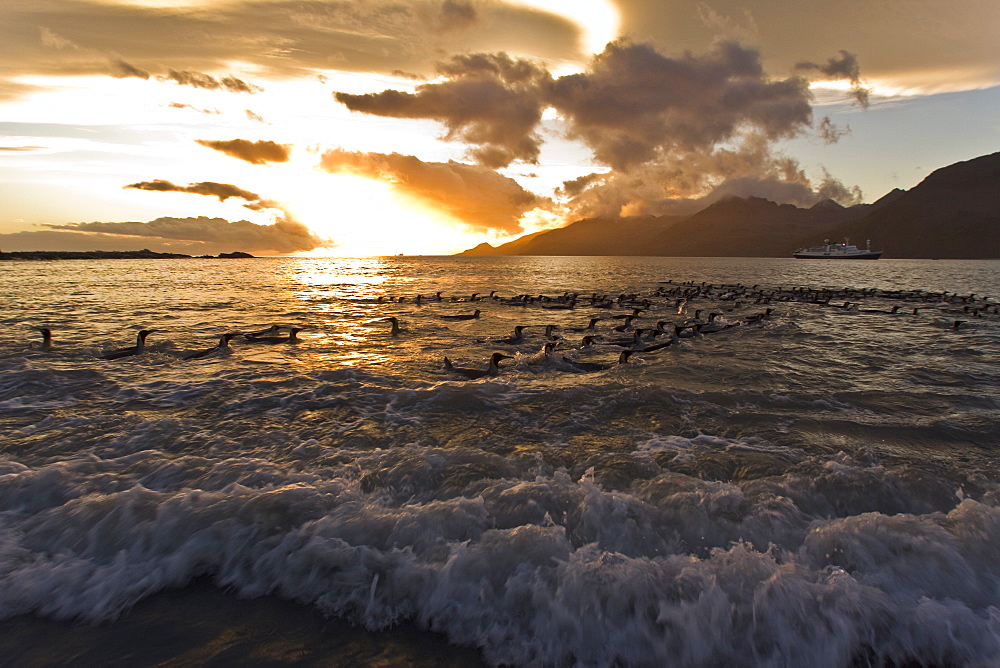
x,y
632,331
272,335
721,307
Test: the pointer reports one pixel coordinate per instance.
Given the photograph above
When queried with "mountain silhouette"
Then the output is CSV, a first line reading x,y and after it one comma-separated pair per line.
x,y
953,213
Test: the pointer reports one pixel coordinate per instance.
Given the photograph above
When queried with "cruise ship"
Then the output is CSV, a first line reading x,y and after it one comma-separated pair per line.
x,y
832,251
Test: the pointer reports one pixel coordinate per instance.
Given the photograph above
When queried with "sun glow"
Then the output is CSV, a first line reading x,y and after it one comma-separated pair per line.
x,y
599,20
364,217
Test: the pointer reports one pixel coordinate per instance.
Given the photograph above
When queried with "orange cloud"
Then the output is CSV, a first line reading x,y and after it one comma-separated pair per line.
x,y
478,196
254,152
490,100
283,235
221,190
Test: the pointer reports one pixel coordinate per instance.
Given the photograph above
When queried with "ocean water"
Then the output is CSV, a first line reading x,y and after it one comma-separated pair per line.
x,y
814,486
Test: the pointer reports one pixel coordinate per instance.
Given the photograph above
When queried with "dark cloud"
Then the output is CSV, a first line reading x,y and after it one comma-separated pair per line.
x,y
830,131
254,152
635,105
207,81
221,190
844,66
632,106
671,129
122,70
407,75
492,101
282,236
574,187
479,197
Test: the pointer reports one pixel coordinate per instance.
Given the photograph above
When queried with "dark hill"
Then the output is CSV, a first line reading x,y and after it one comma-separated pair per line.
x,y
953,213
510,248
591,236
747,227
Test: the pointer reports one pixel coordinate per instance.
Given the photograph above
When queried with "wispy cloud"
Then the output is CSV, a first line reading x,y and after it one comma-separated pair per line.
x,y
254,152
844,66
122,70
221,190
182,105
207,81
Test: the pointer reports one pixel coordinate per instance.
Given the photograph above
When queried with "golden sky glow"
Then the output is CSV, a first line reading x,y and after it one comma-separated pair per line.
x,y
429,126
599,20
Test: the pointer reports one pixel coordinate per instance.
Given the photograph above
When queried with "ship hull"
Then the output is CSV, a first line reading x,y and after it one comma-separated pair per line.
x,y
835,256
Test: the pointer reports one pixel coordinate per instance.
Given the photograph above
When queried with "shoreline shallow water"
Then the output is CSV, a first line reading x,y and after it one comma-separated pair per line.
x,y
815,486
204,625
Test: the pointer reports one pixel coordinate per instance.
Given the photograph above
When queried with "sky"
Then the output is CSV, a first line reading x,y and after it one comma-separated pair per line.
x,y
379,127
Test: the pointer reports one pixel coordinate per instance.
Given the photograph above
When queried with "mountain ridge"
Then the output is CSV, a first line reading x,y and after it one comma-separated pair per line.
x,y
953,213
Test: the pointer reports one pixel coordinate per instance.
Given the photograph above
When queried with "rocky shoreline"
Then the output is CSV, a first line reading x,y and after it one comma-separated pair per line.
x,y
144,254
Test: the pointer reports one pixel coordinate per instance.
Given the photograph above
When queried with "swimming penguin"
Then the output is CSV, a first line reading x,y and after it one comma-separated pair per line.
x,y
713,325
223,345
273,330
683,332
516,337
46,343
137,349
472,316
598,366
626,324
660,346
591,326
491,370
757,317
627,342
291,338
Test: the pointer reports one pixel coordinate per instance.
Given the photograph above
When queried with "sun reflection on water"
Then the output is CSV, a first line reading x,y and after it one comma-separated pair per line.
x,y
341,271
342,296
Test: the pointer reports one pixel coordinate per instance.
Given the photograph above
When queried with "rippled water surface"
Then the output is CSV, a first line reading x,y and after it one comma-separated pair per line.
x,y
817,485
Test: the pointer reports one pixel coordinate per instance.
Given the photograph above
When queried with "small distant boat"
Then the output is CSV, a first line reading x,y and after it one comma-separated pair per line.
x,y
844,251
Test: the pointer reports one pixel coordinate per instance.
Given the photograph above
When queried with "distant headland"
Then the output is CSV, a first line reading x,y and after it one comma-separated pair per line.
x,y
144,254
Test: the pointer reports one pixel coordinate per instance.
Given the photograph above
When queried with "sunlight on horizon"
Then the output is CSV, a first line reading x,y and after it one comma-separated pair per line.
x,y
366,218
